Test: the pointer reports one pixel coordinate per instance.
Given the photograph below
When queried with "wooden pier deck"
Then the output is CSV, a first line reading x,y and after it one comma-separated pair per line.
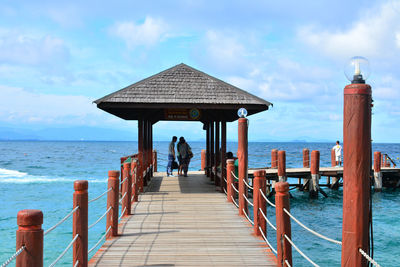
x,y
184,221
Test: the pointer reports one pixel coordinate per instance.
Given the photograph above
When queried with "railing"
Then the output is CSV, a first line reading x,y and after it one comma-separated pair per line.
x,y
30,236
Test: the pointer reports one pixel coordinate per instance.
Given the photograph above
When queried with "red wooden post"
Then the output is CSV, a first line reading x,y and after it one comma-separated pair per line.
x,y
314,182
259,183
242,156
333,158
223,155
230,167
356,173
80,223
212,133
203,159
155,160
217,180
113,202
377,171
127,188
283,226
282,166
30,235
135,186
140,155
274,158
306,158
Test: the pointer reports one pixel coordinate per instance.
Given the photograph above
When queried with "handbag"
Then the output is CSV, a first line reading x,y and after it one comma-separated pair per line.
x,y
174,165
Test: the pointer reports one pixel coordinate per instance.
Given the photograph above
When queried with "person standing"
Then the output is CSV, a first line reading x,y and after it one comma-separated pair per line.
x,y
338,153
171,155
180,168
186,153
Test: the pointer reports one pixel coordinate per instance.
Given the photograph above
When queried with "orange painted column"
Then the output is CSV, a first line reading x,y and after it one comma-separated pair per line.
x,y
356,173
223,155
203,159
230,167
212,151
314,182
30,235
306,158
145,152
283,226
113,202
135,186
282,166
155,160
207,171
140,155
377,171
80,223
259,183
333,158
243,160
217,181
127,188
274,158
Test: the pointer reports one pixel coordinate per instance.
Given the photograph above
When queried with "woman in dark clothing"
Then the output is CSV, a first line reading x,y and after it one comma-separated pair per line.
x,y
186,153
181,141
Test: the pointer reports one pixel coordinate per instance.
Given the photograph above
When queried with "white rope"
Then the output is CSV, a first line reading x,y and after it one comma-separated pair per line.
x,y
265,217
247,217
249,186
98,242
122,198
234,176
234,188
266,199
312,231
234,202
300,252
123,181
132,198
65,251
225,191
96,198
61,221
76,264
248,201
122,214
225,180
287,263
99,219
19,251
266,241
371,260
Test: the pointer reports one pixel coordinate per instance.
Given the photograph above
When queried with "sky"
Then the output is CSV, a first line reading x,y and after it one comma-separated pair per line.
x,y
57,57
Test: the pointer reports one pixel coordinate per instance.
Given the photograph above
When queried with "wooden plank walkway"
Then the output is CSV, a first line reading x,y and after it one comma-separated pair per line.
x,y
184,221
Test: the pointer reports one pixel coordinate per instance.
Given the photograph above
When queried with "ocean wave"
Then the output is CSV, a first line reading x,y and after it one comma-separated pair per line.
x,y
13,176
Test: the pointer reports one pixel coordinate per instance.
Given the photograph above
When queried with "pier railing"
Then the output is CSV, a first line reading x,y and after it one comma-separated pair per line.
x,y
30,235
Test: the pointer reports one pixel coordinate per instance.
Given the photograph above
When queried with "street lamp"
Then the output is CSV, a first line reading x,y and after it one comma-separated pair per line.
x,y
357,69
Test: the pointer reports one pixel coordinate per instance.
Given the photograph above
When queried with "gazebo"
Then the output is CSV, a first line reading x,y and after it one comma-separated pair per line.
x,y
182,93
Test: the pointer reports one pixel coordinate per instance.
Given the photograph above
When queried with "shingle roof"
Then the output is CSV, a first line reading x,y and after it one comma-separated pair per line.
x,y
182,84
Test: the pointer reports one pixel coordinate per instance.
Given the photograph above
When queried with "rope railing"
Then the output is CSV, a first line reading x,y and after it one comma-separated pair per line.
x,y
371,260
266,240
99,241
287,263
249,186
98,197
76,264
266,199
132,198
99,219
247,217
123,181
122,214
310,230
65,251
234,176
248,201
226,193
61,221
122,198
266,219
300,252
234,202
19,251
234,188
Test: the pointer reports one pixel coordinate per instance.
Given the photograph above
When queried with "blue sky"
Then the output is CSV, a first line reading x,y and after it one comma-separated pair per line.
x,y
56,57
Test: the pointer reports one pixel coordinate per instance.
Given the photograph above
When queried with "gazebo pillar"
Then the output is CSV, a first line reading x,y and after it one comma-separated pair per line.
x,y
223,155
145,151
140,154
217,154
212,150
207,170
151,147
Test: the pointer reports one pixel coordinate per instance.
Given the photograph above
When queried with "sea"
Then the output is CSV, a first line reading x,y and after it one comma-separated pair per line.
x,y
40,175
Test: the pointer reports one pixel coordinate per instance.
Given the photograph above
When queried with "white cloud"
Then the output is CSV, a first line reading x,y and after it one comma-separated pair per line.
x,y
148,33
22,48
373,35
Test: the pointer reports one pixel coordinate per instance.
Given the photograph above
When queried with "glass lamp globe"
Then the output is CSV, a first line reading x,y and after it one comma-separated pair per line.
x,y
357,69
242,113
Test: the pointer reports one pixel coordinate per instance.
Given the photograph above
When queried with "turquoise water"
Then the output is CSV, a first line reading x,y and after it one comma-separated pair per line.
x,y
40,175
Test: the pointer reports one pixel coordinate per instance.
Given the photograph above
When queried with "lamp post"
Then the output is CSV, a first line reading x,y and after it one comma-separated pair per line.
x,y
357,163
242,158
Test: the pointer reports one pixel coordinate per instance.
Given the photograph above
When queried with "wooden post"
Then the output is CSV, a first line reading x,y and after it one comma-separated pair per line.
x,y
134,174
140,155
217,154
356,173
155,160
145,152
282,166
274,158
306,158
283,226
377,171
127,188
230,167
223,155
259,183
30,235
242,157
80,223
207,170
113,202
212,150
203,159
151,149
314,182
